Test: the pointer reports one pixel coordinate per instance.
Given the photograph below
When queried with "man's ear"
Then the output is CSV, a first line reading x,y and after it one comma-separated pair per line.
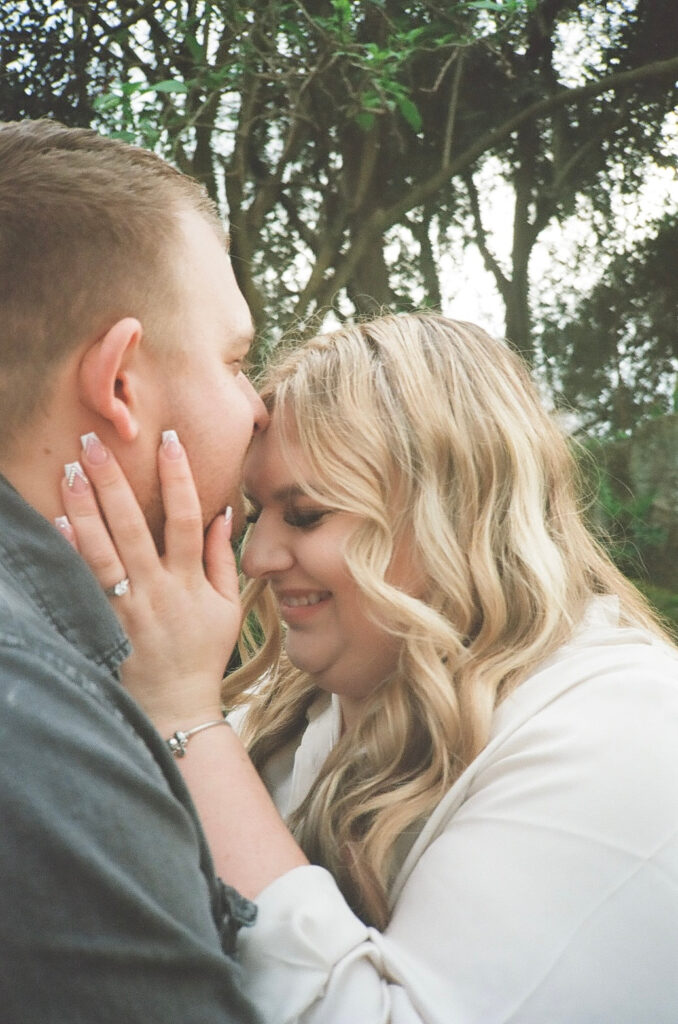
x,y
106,378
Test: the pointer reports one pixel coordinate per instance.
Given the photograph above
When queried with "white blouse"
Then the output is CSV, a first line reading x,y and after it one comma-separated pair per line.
x,y
542,890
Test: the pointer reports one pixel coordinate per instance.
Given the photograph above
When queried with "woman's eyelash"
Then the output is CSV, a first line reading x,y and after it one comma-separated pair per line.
x,y
304,518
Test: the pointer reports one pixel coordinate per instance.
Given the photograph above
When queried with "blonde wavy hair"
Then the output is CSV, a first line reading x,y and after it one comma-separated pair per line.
x,y
432,433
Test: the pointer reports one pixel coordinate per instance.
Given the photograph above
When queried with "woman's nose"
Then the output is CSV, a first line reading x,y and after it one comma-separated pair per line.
x,y
265,552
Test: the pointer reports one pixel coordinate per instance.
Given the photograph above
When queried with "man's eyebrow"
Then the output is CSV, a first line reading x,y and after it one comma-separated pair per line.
x,y
244,338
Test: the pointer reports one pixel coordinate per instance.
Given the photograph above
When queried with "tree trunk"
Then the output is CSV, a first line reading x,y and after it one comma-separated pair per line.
x,y
518,318
369,289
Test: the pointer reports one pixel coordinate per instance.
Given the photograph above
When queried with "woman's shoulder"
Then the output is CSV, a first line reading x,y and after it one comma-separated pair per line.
x,y
600,654
598,720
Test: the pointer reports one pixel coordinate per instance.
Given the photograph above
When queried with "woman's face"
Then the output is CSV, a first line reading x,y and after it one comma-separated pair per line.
x,y
297,545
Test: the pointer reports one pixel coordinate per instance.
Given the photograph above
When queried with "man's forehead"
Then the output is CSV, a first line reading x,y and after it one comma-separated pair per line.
x,y
240,328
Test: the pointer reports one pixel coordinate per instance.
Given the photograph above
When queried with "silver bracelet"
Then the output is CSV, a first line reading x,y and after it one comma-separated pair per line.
x,y
178,741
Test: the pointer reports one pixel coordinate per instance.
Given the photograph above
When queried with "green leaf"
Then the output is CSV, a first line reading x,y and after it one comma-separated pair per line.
x,y
371,101
365,121
196,50
490,5
107,101
172,85
343,9
129,88
412,35
410,112
124,136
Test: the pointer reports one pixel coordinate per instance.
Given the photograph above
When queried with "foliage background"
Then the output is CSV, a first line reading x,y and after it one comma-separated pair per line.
x,y
364,150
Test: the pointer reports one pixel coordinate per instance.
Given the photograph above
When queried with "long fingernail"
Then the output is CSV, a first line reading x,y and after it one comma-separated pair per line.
x,y
228,519
170,444
63,525
93,448
75,477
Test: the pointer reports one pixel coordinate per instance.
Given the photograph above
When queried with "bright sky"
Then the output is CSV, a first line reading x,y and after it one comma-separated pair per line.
x,y
469,291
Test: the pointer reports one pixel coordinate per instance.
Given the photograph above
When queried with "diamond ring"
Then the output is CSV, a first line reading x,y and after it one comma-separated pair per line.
x,y
118,589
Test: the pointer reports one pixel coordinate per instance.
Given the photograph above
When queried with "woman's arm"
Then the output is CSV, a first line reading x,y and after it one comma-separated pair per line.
x,y
183,620
313,958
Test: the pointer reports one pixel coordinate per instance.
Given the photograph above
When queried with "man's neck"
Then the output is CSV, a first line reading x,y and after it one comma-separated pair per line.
x,y
38,481
34,465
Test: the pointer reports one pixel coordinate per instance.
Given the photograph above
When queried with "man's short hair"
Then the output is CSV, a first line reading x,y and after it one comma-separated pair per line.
x,y
89,233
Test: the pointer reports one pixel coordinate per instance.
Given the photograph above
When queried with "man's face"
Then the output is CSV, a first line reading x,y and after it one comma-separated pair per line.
x,y
203,392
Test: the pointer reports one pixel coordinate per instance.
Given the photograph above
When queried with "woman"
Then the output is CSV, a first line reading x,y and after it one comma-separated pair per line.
x,y
473,727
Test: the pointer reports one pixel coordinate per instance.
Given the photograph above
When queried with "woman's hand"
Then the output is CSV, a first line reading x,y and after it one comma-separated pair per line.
x,y
183,620
182,616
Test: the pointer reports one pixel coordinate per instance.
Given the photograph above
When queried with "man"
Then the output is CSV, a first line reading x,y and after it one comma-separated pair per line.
x,y
119,315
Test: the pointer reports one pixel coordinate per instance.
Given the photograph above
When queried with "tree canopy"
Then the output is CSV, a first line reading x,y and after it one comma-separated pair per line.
x,y
632,313
347,140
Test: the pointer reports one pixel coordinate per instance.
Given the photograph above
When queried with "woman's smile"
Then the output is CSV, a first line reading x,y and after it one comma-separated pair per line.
x,y
299,606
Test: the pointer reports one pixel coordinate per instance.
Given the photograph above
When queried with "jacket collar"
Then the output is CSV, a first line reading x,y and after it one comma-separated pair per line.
x,y
53,578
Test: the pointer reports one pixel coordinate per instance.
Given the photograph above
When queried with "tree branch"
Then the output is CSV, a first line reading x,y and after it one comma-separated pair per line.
x,y
489,259
382,219
387,218
452,111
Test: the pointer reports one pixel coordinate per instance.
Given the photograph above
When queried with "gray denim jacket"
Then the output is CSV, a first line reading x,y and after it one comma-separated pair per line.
x,y
111,910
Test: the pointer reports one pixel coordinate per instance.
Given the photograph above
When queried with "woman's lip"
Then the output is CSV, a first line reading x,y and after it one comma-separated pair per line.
x,y
301,598
292,612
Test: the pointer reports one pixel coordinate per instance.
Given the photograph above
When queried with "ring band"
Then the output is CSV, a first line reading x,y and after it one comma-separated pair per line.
x,y
118,589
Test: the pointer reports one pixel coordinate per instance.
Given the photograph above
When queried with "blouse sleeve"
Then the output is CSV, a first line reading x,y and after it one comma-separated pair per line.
x,y
550,893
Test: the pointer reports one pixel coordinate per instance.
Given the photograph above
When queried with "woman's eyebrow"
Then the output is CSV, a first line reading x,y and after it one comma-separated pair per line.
x,y
283,494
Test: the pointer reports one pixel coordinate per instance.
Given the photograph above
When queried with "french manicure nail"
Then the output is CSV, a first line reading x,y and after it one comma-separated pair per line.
x,y
228,519
63,525
75,477
93,448
170,443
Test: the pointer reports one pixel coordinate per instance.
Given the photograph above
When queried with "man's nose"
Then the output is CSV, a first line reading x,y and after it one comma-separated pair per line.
x,y
266,552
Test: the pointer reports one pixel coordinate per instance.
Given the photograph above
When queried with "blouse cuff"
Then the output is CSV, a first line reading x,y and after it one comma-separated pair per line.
x,y
303,929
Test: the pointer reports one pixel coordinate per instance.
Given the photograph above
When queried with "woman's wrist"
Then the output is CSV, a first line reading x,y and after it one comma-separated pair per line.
x,y
180,703
167,721
179,740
